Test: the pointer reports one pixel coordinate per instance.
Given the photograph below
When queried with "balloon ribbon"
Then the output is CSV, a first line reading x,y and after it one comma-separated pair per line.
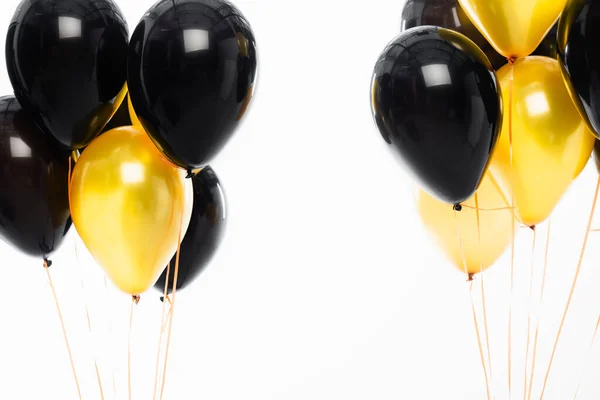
x,y
525,381
135,299
575,279
512,246
537,324
162,328
62,323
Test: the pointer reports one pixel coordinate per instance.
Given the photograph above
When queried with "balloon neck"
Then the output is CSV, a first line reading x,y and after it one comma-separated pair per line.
x,y
47,263
511,60
135,298
457,207
470,277
163,298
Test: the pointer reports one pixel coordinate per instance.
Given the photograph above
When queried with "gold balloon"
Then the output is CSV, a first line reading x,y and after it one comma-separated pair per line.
x,y
496,226
132,115
514,27
551,144
129,205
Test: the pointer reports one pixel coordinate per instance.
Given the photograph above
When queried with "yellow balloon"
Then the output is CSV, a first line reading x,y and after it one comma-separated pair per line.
x,y
496,226
128,204
551,144
514,27
132,115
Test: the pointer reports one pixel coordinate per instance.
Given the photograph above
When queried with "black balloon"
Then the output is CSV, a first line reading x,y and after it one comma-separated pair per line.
x,y
436,102
205,231
34,201
448,14
549,46
67,61
578,39
191,73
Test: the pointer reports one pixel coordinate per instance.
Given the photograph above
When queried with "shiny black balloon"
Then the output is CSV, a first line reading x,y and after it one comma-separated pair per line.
x,y
67,61
205,231
191,73
448,14
436,102
579,56
549,46
34,202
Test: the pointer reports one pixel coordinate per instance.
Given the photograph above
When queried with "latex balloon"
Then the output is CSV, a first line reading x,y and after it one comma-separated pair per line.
x,y
191,73
34,172
549,46
132,115
578,36
435,101
67,61
514,28
447,14
204,233
128,205
480,244
121,118
550,142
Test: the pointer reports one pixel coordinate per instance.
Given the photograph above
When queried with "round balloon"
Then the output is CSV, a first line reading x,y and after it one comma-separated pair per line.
x,y
550,142
129,206
34,174
191,73
514,27
447,14
67,61
435,101
482,239
204,234
578,36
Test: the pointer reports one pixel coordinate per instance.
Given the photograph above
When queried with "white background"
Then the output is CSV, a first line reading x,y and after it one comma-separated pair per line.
x,y
326,286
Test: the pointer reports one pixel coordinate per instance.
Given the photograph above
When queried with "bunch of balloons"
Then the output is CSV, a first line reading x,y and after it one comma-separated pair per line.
x,y
141,187
493,105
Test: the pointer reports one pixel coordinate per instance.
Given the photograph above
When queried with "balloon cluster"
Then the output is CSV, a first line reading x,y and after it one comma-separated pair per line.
x,y
493,107
141,188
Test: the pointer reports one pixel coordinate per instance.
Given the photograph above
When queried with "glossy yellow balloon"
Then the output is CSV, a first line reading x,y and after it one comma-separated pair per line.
x,y
132,115
128,204
551,143
514,27
496,226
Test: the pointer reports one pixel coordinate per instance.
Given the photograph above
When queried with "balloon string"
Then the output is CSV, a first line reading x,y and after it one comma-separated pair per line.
x,y
470,279
483,304
512,246
162,329
89,322
64,330
575,279
537,324
481,354
134,300
487,209
172,309
589,353
525,381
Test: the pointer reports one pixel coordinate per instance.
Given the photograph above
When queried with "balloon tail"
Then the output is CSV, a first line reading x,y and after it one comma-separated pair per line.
x,y
62,323
525,380
589,353
512,246
537,324
172,309
135,299
162,329
481,353
483,304
574,284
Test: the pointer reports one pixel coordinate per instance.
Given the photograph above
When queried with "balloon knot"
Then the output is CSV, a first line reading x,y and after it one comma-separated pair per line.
x,y
136,298
47,263
532,227
190,174
457,207
511,60
470,277
163,298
